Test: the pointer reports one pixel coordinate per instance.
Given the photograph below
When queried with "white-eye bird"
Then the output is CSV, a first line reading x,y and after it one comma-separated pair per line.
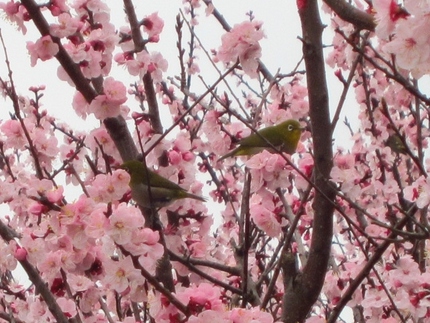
x,y
284,136
162,191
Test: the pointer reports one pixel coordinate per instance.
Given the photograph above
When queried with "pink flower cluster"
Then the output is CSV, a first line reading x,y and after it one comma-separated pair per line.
x,y
408,42
43,49
242,43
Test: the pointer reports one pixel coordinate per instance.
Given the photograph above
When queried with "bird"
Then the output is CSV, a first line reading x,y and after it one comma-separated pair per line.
x,y
284,136
161,192
396,144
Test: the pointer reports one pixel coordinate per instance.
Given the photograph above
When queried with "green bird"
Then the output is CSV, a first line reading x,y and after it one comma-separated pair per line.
x,y
396,144
162,192
284,136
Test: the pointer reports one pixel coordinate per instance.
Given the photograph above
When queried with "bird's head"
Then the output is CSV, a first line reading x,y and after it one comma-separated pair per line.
x,y
291,129
135,168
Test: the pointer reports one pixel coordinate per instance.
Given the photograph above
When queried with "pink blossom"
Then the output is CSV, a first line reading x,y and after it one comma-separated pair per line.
x,y
9,260
417,8
67,26
198,249
137,66
20,254
406,273
51,265
45,142
12,130
91,66
419,192
265,220
77,52
209,9
103,108
80,209
411,46
108,104
123,221
374,301
146,244
153,26
253,315
15,13
193,67
79,283
242,42
100,136
115,91
157,66
275,115
387,14
103,40
219,144
68,307
109,187
119,273
268,170
35,247
174,157
57,7
36,309
96,223
43,49
210,316
205,295
90,297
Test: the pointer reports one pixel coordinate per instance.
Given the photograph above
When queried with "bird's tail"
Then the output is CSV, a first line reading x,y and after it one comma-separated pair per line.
x,y
230,154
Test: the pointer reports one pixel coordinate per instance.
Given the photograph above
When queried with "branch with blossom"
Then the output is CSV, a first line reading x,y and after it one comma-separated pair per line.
x,y
291,238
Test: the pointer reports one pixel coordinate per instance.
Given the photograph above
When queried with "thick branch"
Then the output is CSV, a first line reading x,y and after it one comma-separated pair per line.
x,y
115,126
351,14
304,289
121,136
82,84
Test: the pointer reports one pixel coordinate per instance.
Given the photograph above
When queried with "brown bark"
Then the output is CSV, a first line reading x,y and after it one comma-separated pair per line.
x,y
302,289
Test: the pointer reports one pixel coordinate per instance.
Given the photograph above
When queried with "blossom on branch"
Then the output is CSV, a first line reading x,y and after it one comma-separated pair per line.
x,y
242,43
43,49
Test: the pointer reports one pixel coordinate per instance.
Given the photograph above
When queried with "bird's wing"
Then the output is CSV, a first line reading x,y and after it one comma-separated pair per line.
x,y
156,180
255,140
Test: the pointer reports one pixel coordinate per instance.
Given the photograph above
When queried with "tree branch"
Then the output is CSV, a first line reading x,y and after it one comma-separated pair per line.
x,y
41,287
351,14
303,290
347,295
148,83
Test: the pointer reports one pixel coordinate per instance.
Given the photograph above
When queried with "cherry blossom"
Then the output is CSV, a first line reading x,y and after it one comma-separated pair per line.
x,y
242,43
120,273
15,13
67,26
122,222
387,13
109,188
153,26
43,49
340,223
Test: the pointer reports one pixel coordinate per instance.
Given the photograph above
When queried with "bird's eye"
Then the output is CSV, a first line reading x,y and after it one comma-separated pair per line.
x,y
290,127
